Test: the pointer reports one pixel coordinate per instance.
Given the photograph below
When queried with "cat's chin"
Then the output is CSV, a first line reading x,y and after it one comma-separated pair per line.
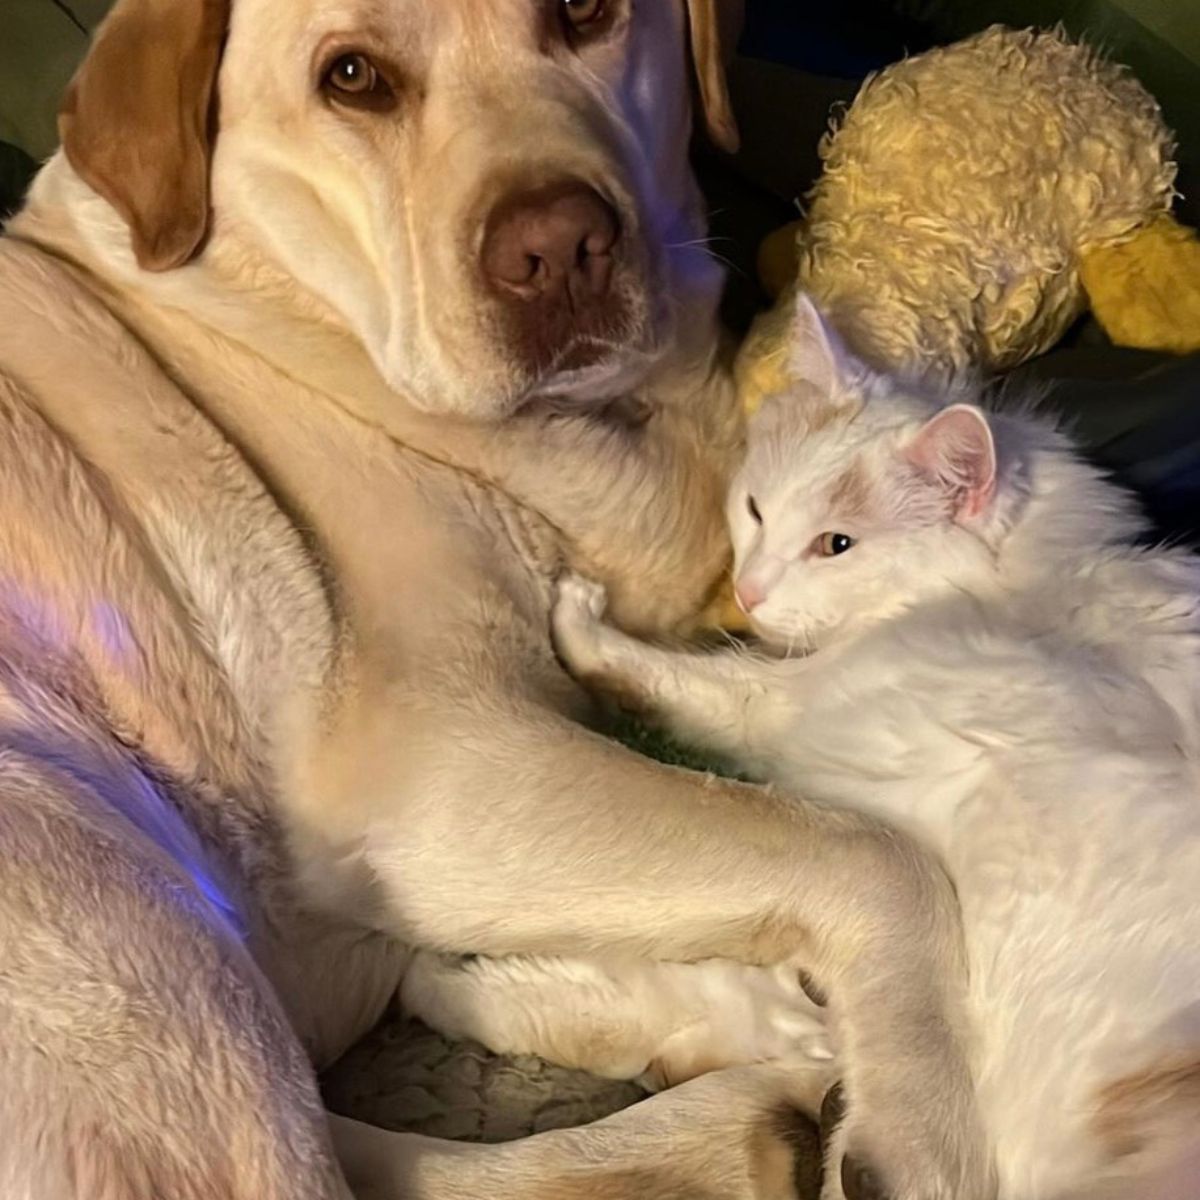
x,y
776,644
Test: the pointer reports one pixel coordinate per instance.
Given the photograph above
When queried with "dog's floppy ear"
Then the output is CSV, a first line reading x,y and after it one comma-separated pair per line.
x,y
715,27
137,121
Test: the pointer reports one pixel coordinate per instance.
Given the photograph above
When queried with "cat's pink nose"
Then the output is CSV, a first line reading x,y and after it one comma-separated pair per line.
x,y
749,595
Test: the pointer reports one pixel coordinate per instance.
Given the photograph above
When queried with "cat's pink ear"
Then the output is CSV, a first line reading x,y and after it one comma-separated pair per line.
x,y
955,449
818,355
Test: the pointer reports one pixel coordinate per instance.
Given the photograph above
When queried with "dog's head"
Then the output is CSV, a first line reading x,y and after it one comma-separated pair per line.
x,y
493,196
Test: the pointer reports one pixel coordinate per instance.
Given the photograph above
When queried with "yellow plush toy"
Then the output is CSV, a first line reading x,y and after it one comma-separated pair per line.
x,y
974,201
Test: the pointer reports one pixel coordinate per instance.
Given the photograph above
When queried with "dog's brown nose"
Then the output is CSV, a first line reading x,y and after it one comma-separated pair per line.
x,y
552,244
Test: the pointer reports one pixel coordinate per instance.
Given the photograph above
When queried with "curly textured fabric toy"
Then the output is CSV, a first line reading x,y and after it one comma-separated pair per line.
x,y
967,195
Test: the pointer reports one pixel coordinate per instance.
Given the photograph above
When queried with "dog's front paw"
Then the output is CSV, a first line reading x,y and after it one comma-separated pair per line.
x,y
900,1146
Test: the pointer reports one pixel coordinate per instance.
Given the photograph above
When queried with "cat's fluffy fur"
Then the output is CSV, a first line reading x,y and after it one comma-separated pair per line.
x,y
994,667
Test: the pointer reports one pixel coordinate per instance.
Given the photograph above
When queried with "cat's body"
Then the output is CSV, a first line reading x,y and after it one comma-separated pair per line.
x,y
996,669
1058,779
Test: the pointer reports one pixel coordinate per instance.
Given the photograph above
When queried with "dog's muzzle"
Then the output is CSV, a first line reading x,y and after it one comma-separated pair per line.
x,y
550,258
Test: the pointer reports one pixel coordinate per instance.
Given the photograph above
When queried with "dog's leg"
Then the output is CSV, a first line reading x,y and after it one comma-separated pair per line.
x,y
717,700
569,844
661,1023
142,1053
727,1136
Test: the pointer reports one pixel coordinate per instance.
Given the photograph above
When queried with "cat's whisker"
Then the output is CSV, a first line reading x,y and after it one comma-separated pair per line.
x,y
706,244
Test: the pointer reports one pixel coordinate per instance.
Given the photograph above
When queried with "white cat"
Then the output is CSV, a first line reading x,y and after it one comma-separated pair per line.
x,y
990,665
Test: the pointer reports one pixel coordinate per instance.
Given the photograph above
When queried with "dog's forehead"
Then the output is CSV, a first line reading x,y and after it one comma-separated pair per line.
x,y
296,25
425,23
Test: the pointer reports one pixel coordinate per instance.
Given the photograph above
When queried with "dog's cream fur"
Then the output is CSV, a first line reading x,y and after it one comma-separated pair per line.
x,y
279,514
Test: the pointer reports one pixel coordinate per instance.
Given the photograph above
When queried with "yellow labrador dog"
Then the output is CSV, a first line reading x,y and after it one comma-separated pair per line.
x,y
335,329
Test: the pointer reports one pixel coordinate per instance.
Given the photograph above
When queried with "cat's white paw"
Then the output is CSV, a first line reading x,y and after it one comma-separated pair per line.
x,y
579,599
579,606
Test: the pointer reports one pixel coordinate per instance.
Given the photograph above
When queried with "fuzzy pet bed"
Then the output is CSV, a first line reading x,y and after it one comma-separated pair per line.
x,y
404,1076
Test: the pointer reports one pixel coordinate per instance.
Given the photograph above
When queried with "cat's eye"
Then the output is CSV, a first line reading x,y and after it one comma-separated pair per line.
x,y
355,80
583,13
829,545
752,509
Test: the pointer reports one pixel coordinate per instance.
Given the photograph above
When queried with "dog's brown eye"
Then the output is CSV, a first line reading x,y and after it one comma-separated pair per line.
x,y
752,509
354,80
582,13
353,74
